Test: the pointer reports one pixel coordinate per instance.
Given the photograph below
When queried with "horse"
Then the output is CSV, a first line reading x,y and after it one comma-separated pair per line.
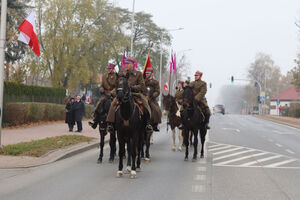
x,y
129,126
100,115
174,120
193,121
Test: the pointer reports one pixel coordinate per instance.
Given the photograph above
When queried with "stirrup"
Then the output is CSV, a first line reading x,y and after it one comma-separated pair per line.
x,y
149,128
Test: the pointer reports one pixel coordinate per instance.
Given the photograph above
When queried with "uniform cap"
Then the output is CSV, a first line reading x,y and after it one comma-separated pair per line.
x,y
198,73
110,66
180,82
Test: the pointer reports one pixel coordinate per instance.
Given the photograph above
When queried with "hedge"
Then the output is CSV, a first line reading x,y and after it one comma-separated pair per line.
x,y
28,112
14,92
294,110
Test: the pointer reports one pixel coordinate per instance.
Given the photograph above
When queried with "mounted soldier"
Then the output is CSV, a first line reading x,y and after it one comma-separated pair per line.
x,y
107,89
153,91
137,85
199,90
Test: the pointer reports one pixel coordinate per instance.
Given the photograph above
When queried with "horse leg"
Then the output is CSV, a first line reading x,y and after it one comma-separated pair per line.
x,y
186,142
112,144
102,137
191,138
174,139
121,154
148,137
128,168
180,138
138,161
202,135
195,133
133,157
142,147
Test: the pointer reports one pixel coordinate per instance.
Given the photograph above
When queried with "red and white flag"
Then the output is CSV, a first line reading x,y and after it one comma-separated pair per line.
x,y
28,33
166,87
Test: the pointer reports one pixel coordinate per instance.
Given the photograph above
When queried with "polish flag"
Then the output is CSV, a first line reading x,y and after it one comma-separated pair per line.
x,y
28,33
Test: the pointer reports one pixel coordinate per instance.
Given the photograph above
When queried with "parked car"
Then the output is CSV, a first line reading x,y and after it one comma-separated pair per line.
x,y
219,109
255,110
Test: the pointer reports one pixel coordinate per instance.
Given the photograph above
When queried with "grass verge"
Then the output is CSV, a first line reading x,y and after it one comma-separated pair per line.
x,y
38,148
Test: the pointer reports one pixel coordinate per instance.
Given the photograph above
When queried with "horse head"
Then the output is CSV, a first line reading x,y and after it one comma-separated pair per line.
x,y
169,103
188,99
123,89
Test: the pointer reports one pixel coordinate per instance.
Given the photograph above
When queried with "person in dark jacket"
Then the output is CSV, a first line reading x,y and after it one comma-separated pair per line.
x,y
69,114
79,110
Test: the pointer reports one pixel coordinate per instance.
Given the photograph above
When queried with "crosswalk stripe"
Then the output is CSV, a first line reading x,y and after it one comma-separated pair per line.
x,y
281,163
261,160
242,158
234,154
226,151
216,145
220,148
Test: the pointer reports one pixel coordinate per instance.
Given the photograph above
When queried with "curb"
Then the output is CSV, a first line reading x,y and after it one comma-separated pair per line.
x,y
279,122
63,156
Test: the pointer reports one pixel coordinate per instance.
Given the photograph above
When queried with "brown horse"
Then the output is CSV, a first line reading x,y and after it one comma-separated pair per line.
x,y
170,106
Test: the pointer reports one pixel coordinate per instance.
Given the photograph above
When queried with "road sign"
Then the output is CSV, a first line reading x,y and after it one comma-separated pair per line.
x,y
245,102
278,102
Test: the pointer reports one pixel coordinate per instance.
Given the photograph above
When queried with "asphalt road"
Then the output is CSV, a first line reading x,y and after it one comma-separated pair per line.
x,y
247,158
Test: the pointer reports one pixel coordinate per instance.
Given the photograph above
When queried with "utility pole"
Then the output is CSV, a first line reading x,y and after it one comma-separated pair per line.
x,y
2,52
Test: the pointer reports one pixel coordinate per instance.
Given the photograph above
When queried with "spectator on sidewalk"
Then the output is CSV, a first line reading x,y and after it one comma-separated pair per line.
x,y
70,114
79,110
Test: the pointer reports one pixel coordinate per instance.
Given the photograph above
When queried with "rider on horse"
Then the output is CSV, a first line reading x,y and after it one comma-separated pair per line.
x,y
137,85
153,91
199,90
106,90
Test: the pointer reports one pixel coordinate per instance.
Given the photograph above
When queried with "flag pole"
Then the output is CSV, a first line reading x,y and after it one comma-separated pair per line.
x,y
170,76
2,48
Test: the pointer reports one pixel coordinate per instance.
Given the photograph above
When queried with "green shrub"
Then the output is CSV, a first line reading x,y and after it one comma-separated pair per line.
x,y
28,112
294,110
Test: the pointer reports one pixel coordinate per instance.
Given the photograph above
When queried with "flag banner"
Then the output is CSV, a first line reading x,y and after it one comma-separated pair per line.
x,y
147,65
28,33
174,64
166,87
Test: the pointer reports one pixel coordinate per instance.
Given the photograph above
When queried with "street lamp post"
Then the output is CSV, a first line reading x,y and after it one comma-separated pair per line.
x,y
2,48
132,30
160,61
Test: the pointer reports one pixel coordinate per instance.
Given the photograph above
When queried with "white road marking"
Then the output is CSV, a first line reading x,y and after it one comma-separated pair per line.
x,y
242,158
216,145
232,129
219,148
226,151
281,163
290,151
279,145
282,133
201,169
200,177
198,188
260,160
234,154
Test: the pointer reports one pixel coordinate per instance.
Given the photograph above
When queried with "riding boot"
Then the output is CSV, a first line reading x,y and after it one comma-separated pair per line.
x,y
148,125
155,128
206,121
110,127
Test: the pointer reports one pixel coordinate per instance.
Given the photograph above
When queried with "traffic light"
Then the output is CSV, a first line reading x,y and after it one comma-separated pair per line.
x,y
232,79
258,99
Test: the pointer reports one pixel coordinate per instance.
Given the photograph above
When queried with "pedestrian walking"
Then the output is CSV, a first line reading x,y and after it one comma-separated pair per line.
x,y
79,110
70,114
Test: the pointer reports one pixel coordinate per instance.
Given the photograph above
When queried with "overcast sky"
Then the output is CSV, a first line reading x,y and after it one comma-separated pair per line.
x,y
225,35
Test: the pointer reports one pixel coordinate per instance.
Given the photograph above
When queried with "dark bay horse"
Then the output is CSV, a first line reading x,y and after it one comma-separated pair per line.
x,y
100,115
129,125
193,121
174,121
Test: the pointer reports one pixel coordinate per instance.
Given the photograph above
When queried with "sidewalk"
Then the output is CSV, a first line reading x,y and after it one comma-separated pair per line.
x,y
290,121
13,136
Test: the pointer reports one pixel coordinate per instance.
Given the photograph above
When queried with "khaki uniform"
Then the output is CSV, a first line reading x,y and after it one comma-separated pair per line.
x,y
199,90
152,94
178,96
108,85
137,85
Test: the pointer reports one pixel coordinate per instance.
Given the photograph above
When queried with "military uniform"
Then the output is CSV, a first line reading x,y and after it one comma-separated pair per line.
x,y
199,90
152,94
137,84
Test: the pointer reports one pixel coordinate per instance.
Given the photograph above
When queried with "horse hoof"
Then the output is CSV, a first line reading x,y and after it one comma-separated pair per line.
x,y
194,160
99,161
201,156
147,160
179,149
119,174
111,160
142,158
127,170
173,148
186,159
138,169
132,174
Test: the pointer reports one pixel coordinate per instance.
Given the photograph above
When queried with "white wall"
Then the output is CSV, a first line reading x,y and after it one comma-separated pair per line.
x,y
274,103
